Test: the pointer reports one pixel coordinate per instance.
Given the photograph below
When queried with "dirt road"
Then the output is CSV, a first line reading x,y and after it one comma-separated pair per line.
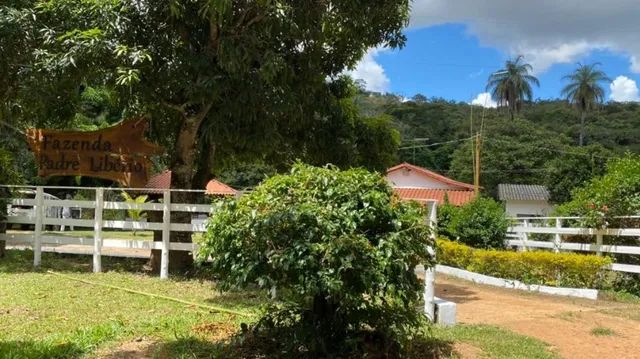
x,y
575,328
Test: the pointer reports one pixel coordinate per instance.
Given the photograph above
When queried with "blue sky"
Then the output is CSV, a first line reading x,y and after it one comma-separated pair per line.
x,y
453,46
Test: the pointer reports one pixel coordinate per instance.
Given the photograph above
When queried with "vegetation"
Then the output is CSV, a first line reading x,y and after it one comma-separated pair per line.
x,y
8,175
616,193
542,267
584,91
540,146
47,316
511,86
135,214
336,246
481,223
602,332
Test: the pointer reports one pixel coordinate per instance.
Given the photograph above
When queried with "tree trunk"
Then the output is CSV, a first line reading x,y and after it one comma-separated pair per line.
x,y
3,229
583,116
182,177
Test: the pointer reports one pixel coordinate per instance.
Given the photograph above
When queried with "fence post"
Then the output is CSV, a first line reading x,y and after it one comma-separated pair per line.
x,y
525,236
599,243
166,234
430,273
557,241
97,231
37,236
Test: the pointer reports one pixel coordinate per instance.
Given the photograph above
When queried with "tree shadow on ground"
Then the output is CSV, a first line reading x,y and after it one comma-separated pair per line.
x,y
39,350
21,261
249,347
455,293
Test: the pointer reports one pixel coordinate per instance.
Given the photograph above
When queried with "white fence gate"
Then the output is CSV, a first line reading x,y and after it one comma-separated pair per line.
x,y
37,211
523,227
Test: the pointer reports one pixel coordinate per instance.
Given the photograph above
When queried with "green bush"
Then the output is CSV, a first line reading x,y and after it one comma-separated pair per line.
x,y
481,223
340,250
539,267
616,193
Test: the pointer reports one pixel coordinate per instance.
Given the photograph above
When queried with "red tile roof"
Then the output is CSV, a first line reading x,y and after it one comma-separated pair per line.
x,y
436,176
163,181
160,181
217,187
456,198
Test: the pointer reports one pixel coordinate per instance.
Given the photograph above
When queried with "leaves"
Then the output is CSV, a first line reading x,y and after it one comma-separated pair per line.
x,y
324,233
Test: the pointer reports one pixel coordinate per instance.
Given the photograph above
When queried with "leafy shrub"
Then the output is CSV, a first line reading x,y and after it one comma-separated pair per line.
x,y
481,223
539,267
337,246
446,213
627,283
616,193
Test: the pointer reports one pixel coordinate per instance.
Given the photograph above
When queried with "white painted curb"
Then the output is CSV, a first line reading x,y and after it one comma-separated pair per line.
x,y
514,284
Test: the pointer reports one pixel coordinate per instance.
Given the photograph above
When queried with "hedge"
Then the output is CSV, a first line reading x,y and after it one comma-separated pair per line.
x,y
539,267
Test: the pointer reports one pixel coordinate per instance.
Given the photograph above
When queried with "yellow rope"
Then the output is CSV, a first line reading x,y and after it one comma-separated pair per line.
x,y
208,307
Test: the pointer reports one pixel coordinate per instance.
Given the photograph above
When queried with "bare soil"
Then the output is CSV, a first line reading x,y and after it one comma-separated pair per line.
x,y
564,323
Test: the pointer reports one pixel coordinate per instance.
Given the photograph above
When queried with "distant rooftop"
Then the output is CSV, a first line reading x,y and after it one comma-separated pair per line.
x,y
163,181
436,176
454,197
522,192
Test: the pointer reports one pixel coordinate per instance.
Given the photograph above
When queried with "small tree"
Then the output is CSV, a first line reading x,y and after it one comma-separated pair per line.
x,y
339,248
481,223
135,214
603,198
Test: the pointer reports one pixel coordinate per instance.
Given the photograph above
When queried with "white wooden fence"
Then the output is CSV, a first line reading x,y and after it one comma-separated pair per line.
x,y
519,236
40,217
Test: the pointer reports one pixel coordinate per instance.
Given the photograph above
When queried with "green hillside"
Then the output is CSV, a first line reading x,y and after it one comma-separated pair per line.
x,y
540,146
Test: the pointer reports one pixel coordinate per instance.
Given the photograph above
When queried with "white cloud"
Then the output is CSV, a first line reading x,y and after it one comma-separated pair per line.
x,y
545,33
484,99
371,72
624,89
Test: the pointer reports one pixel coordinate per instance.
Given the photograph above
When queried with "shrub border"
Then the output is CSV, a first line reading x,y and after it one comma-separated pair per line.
x,y
515,284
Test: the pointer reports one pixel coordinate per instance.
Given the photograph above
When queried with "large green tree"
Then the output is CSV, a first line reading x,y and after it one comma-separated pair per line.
x,y
584,91
254,75
511,86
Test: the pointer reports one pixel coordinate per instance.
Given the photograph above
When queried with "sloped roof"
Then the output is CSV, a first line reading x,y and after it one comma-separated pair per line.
x,y
456,198
431,174
219,188
160,181
522,192
163,181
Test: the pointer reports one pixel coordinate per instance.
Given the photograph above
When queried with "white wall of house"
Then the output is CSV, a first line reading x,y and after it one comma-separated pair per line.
x,y
413,179
528,208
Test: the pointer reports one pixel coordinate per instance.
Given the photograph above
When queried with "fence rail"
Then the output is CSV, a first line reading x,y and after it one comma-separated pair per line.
x,y
35,211
519,236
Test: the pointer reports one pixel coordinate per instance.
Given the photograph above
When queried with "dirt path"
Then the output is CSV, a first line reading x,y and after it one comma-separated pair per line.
x,y
575,328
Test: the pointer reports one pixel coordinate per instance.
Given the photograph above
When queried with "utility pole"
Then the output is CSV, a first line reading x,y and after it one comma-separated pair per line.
x,y
476,170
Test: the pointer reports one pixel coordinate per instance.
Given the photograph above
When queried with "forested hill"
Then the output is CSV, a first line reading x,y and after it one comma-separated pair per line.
x,y
538,147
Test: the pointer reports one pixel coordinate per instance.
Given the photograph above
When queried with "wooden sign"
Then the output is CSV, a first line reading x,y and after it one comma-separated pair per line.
x,y
119,153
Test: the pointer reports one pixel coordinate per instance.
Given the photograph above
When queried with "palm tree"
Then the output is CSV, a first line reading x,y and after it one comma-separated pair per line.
x,y
584,91
511,85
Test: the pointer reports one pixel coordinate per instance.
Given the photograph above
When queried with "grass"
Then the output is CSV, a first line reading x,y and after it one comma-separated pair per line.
x,y
602,332
496,342
47,316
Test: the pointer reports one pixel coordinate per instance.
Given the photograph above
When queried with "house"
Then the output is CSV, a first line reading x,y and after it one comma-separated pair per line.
x,y
163,181
523,200
411,182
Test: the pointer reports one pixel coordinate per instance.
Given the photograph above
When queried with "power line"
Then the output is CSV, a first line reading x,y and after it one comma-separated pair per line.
x,y
436,144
